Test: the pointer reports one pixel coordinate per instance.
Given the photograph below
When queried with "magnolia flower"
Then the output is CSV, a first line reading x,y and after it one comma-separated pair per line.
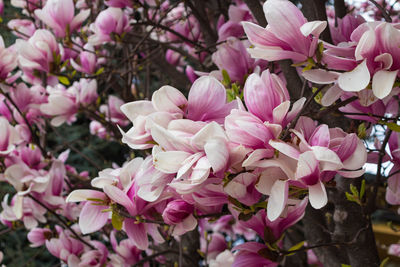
x,y
233,57
179,213
190,150
8,60
112,21
307,164
59,15
9,137
86,61
287,36
38,236
38,52
206,102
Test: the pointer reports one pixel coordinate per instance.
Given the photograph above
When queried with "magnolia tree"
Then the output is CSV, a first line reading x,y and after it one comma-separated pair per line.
x,y
240,130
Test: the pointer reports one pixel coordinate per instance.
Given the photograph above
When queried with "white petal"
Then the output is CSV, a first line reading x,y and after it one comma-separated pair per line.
x,y
313,27
320,76
277,200
355,80
317,195
382,83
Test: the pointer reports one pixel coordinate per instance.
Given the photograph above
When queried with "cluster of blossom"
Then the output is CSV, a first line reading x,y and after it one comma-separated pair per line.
x,y
235,150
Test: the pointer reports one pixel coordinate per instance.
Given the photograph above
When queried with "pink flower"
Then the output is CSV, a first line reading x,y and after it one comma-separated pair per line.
x,y
8,60
59,15
86,61
119,3
287,36
233,57
23,27
177,211
38,236
110,22
38,52
9,137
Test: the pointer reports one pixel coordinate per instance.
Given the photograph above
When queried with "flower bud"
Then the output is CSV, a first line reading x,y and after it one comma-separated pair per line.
x,y
176,211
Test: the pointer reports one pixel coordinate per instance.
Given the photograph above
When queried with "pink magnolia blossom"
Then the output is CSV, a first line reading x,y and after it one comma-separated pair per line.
x,y
32,213
23,28
119,3
112,21
250,254
64,245
179,213
63,103
125,249
38,236
113,112
233,57
308,165
59,15
191,150
96,128
206,102
9,137
287,36
86,61
8,60
38,52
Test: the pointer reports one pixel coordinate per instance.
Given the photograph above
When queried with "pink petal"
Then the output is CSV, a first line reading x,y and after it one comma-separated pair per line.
x,y
91,218
285,148
137,233
120,197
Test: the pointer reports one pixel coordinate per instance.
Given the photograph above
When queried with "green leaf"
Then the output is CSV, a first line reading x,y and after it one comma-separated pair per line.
x,y
392,126
362,131
226,80
345,265
350,197
384,262
297,246
354,190
362,189
99,71
117,220
64,80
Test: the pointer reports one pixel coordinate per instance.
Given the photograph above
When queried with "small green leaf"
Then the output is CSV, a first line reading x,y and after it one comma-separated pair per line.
x,y
226,80
392,126
362,131
64,80
345,265
99,71
297,246
354,190
116,221
362,189
350,197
